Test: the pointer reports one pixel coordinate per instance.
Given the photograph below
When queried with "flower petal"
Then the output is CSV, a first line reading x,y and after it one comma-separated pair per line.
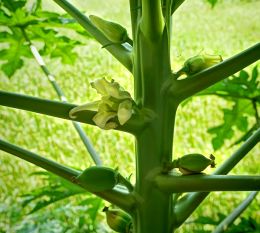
x,y
101,118
91,106
124,111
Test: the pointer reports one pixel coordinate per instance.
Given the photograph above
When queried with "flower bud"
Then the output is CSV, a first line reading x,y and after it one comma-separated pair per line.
x,y
118,220
194,163
200,62
113,31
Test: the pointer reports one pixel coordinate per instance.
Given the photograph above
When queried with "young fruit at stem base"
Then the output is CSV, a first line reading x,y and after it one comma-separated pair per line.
x,y
118,220
113,31
198,63
192,163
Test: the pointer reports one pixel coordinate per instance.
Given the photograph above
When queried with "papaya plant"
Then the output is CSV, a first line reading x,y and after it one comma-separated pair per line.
x,y
162,197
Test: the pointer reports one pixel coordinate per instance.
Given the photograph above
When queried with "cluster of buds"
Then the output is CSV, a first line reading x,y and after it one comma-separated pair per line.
x,y
115,104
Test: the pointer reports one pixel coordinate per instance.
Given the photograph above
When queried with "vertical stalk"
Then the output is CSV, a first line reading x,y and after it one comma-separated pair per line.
x,y
152,23
154,143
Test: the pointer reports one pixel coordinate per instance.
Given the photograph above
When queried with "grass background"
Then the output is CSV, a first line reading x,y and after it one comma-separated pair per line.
x,y
230,27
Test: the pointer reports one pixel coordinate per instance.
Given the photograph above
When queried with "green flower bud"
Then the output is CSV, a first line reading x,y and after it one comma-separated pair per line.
x,y
124,111
113,31
193,163
98,179
200,62
118,220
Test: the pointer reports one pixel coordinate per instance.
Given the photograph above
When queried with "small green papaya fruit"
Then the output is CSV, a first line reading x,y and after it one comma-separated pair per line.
x,y
98,178
200,62
118,220
194,163
113,31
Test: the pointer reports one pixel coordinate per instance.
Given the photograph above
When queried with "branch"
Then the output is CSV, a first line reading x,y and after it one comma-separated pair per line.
x,y
123,200
190,202
206,183
84,138
222,227
121,53
182,89
61,110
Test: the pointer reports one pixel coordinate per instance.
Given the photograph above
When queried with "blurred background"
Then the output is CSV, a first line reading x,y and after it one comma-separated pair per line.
x,y
228,28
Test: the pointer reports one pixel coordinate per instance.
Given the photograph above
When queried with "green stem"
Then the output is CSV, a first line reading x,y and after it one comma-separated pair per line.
x,y
61,110
151,69
206,183
121,53
222,227
86,141
152,22
49,165
190,202
123,200
182,89
135,12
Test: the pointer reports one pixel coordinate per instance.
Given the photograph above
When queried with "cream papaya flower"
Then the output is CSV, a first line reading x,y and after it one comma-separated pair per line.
x,y
112,89
115,103
101,119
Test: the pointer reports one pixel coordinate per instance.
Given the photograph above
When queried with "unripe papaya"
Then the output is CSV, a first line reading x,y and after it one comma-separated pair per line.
x,y
194,163
118,220
98,178
113,31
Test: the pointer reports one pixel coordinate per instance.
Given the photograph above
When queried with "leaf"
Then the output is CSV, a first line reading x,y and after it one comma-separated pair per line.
x,y
94,205
248,134
40,26
58,189
212,2
242,89
56,44
232,117
241,86
13,5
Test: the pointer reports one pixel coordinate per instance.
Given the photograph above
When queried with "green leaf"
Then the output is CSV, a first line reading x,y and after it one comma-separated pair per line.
x,y
13,5
241,86
56,44
236,117
58,189
212,2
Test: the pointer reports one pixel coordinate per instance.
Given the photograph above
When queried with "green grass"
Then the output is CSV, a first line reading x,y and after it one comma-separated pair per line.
x,y
227,29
